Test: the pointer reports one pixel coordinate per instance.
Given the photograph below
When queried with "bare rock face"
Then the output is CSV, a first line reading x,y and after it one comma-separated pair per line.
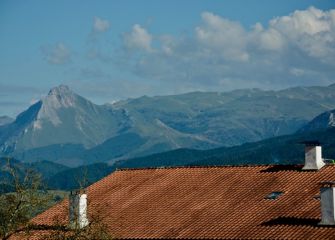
x,y
62,117
322,121
58,98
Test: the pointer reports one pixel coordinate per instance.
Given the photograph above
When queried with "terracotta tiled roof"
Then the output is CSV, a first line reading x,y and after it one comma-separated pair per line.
x,y
208,202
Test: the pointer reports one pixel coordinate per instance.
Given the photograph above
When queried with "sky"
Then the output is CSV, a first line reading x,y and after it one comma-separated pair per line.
x,y
112,50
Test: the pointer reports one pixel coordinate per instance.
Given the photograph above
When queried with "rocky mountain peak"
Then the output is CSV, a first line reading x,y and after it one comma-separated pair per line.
x,y
60,96
322,121
60,90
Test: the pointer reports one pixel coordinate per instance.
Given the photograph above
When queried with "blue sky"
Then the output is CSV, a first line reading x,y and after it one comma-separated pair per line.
x,y
111,50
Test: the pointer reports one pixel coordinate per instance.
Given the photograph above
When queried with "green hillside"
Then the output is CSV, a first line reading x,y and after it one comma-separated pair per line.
x,y
45,169
79,177
279,150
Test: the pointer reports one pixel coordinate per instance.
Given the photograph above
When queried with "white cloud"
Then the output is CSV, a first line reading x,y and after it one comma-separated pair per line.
x,y
311,30
222,35
270,39
220,54
100,25
310,21
138,38
57,54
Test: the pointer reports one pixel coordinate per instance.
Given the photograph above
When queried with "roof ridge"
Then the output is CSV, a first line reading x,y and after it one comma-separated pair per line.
x,y
208,166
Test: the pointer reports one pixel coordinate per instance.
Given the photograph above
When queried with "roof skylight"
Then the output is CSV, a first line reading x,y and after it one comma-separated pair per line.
x,y
274,195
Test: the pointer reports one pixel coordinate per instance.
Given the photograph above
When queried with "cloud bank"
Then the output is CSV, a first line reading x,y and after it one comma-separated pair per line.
x,y
137,39
220,54
217,54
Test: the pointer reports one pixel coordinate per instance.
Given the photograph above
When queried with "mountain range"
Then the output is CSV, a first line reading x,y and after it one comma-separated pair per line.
x,y
280,150
66,128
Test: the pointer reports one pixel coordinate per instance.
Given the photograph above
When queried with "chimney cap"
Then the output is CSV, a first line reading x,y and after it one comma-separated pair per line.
x,y
327,184
311,143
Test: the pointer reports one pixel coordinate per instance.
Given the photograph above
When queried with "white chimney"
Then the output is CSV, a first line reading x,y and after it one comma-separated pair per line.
x,y
313,156
78,209
327,203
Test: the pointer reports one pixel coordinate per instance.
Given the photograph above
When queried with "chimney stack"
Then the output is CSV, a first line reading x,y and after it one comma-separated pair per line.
x,y
327,203
313,155
78,209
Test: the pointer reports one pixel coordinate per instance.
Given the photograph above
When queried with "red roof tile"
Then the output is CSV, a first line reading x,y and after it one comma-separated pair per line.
x,y
208,202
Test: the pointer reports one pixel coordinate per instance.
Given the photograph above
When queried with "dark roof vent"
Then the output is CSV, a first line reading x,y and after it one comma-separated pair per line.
x,y
274,195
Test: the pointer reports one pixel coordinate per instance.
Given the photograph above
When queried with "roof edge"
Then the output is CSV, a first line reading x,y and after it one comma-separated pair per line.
x,y
211,166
